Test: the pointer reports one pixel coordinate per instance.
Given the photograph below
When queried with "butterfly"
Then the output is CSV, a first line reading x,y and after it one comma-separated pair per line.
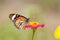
x,y
18,20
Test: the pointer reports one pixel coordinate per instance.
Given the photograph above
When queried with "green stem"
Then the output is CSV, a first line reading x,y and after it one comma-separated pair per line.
x,y
33,33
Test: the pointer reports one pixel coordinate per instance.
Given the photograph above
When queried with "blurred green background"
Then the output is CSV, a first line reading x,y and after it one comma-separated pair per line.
x,y
42,11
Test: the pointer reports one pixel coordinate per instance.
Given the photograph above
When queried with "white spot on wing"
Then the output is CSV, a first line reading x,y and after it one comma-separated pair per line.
x,y
13,17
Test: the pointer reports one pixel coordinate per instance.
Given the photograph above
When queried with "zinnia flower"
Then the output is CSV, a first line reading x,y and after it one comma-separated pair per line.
x,y
34,25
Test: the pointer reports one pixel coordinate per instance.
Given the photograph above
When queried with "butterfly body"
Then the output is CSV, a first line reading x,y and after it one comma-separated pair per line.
x,y
18,20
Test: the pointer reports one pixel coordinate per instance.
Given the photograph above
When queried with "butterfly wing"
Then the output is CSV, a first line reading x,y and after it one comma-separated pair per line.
x,y
19,20
19,23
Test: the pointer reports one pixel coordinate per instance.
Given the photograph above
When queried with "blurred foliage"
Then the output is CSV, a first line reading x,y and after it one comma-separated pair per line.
x,y
9,32
51,5
34,12
40,34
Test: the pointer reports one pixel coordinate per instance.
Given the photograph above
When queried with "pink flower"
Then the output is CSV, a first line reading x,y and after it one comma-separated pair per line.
x,y
41,25
34,25
27,26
